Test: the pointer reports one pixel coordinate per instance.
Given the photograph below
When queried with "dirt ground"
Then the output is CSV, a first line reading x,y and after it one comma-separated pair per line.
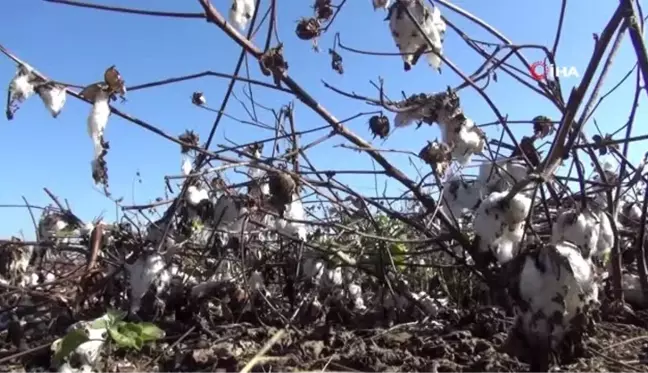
x,y
454,340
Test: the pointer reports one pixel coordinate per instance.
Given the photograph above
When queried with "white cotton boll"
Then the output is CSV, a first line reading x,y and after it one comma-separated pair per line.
x,y
87,228
580,227
89,351
53,96
500,228
605,237
355,293
241,12
381,4
195,195
98,118
313,269
333,277
21,88
518,208
21,263
459,195
634,212
406,118
469,143
489,174
255,282
49,277
33,279
143,273
354,290
516,170
554,272
294,211
506,250
67,368
407,37
186,165
436,32
488,224
630,212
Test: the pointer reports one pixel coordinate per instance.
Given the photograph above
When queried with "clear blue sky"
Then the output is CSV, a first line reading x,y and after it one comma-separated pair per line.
x,y
76,45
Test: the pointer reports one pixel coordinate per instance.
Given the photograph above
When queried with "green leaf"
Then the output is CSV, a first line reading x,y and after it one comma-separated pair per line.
x,y
130,329
114,316
69,343
397,250
150,332
122,340
100,324
139,343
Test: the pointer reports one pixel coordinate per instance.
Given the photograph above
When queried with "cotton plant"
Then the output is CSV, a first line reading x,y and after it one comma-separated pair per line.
x,y
555,283
97,122
606,236
294,211
195,195
53,96
58,228
409,40
241,12
460,195
190,138
581,226
185,165
503,174
458,132
499,224
600,195
629,213
148,270
467,139
21,87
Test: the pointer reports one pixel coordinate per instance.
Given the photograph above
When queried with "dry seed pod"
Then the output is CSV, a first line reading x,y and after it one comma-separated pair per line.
x,y
115,82
336,61
90,92
198,99
252,149
438,155
323,9
308,28
379,126
282,186
189,137
273,63
542,126
528,147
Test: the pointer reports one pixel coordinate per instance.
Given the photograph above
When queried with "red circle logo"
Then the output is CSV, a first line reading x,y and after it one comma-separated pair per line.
x,y
538,74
